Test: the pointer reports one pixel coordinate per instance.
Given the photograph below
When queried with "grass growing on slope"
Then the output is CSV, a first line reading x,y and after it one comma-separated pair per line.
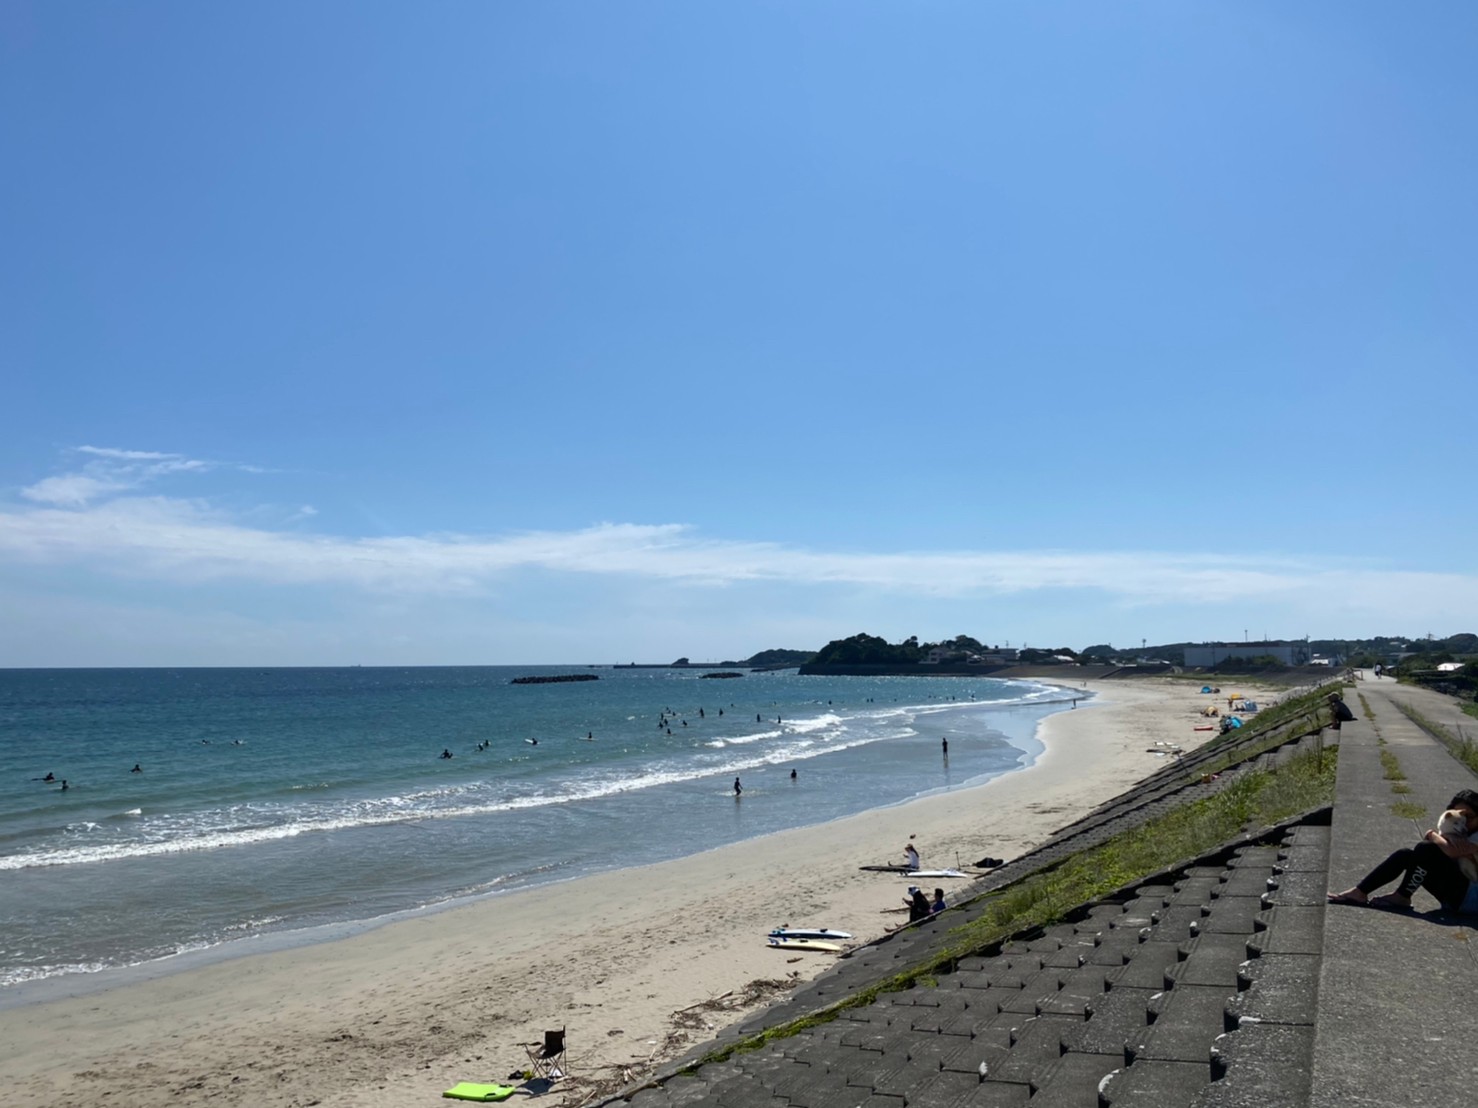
x,y
1256,799
1271,727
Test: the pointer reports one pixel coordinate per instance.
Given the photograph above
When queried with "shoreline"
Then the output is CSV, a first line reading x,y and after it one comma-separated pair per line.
x,y
408,1008
1006,724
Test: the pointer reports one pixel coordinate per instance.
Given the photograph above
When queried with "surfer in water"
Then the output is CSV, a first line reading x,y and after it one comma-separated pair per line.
x,y
136,768
738,788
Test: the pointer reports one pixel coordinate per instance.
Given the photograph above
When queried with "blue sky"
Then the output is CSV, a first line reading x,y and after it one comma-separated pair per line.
x,y
497,332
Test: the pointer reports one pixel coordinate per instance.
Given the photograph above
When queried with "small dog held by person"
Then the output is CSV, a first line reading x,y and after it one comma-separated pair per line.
x,y
1454,825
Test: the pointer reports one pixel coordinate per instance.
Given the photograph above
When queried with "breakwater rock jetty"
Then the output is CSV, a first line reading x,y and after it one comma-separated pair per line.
x,y
555,679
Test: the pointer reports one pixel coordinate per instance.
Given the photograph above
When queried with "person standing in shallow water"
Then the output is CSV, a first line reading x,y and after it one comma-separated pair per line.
x,y
738,788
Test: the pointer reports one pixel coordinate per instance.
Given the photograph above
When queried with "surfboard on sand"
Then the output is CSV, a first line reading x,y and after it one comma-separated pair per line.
x,y
935,873
804,944
822,933
885,869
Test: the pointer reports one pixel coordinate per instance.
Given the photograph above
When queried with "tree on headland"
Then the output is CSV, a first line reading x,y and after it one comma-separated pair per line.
x,y
869,650
1061,656
779,657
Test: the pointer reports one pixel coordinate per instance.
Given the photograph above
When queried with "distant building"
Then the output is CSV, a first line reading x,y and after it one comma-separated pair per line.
x,y
996,656
1210,654
1000,656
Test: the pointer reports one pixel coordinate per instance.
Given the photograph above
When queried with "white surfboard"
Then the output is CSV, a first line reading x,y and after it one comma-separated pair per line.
x,y
935,873
822,933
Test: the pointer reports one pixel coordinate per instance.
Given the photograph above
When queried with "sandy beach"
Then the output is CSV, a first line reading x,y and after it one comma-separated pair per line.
x,y
626,960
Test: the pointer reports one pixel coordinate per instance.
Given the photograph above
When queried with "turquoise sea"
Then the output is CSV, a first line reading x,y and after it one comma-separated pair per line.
x,y
283,805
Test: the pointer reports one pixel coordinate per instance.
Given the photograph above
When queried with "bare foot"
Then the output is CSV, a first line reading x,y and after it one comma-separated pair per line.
x,y
1390,900
1349,896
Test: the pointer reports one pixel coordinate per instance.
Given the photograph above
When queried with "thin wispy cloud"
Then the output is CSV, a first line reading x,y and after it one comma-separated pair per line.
x,y
97,521
109,470
126,455
174,540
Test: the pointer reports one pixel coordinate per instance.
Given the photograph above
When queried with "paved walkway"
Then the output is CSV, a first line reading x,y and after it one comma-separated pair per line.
x,y
1384,973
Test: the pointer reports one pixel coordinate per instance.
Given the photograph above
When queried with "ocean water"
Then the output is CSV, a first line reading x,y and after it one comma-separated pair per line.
x,y
274,803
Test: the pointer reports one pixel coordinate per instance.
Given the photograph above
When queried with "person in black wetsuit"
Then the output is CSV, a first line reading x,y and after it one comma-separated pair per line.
x,y
918,904
1431,864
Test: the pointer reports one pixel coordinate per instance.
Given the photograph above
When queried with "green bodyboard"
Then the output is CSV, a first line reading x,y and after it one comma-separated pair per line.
x,y
466,1090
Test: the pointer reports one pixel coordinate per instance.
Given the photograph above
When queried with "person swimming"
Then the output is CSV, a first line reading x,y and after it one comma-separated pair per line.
x,y
446,753
136,768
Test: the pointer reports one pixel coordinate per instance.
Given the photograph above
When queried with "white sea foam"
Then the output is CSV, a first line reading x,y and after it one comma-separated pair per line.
x,y
819,723
250,824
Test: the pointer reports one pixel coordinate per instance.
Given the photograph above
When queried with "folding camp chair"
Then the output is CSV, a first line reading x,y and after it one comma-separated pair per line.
x,y
547,1058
